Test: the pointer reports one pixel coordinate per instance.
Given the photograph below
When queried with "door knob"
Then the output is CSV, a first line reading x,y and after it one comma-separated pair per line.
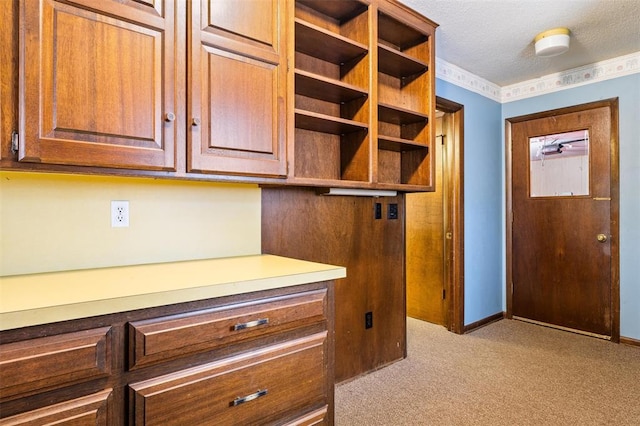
x,y
601,238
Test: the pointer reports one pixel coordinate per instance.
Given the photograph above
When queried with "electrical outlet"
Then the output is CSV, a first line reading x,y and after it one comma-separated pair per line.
x,y
119,214
392,212
377,211
368,320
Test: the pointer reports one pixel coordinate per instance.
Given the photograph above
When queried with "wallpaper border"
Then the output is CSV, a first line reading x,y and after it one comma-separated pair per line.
x,y
592,73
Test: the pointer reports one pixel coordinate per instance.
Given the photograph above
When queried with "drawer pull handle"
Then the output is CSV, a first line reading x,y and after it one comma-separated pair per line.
x,y
248,398
250,324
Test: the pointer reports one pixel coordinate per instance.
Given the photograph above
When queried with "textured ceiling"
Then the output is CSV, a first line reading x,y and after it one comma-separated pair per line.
x,y
493,39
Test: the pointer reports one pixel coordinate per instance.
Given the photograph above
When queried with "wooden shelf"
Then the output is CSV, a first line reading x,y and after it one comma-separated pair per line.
x,y
404,187
336,107
331,183
326,89
326,124
401,35
398,64
340,10
326,45
390,143
397,115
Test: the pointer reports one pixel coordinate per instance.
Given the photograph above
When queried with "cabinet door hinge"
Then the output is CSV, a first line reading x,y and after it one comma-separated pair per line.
x,y
15,142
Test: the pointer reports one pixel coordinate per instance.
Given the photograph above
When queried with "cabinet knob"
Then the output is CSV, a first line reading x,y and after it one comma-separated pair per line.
x,y
169,117
195,121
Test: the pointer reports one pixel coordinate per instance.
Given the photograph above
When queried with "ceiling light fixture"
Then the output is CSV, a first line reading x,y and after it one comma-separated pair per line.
x,y
552,42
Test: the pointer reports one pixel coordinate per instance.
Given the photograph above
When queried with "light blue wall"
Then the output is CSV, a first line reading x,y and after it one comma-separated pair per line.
x,y
627,89
483,195
484,190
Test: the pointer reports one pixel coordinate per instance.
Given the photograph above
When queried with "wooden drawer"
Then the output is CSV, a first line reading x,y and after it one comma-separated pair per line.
x,y
51,362
87,410
275,381
317,417
165,338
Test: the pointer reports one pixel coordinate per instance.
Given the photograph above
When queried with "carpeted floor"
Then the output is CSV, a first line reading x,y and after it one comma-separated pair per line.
x,y
507,373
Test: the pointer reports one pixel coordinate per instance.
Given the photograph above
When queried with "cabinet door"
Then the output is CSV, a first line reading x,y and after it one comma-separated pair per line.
x,y
97,83
237,87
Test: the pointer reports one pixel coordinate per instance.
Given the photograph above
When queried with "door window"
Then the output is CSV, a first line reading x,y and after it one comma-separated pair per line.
x,y
559,164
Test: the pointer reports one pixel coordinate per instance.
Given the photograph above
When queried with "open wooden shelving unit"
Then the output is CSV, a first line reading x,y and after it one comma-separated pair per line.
x,y
332,93
404,103
363,96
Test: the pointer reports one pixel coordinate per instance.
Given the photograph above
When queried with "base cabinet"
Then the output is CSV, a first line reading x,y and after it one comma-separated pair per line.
x,y
260,358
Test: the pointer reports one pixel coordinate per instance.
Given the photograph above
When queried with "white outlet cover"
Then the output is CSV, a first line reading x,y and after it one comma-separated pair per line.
x,y
119,214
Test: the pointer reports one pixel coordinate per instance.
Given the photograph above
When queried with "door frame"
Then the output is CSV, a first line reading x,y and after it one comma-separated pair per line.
x,y
454,273
612,104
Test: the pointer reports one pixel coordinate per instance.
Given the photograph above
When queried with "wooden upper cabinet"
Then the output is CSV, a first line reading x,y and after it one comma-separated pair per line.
x,y
97,83
363,89
237,87
300,92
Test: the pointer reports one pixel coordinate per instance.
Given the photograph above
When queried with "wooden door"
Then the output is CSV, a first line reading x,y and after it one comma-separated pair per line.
x,y
237,87
563,233
97,82
425,246
435,231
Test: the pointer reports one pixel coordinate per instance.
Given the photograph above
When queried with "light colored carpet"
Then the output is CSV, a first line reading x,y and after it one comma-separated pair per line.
x,y
507,373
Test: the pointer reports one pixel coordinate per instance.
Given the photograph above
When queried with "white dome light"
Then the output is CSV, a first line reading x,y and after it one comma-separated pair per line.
x,y
552,42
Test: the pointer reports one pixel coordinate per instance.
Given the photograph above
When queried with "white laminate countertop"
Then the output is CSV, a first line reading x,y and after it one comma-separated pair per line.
x,y
59,296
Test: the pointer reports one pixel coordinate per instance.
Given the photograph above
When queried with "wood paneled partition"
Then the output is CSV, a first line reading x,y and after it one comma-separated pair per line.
x,y
342,230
